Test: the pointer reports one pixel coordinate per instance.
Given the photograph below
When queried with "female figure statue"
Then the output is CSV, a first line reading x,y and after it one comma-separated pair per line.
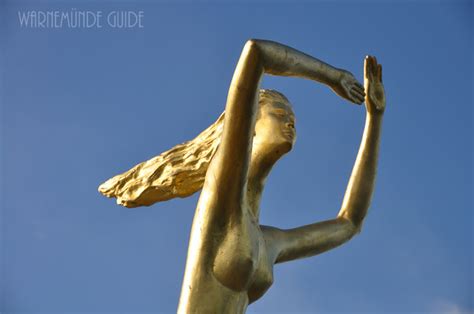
x,y
231,256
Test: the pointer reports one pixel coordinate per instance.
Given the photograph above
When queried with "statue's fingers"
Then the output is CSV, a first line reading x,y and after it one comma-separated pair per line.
x,y
373,67
368,68
358,91
379,72
360,88
359,85
356,98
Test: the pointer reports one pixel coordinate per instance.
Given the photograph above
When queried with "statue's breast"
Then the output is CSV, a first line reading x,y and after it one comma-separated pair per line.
x,y
263,276
237,256
242,263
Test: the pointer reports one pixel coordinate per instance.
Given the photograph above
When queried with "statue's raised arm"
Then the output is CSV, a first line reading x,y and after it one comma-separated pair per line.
x,y
227,173
319,237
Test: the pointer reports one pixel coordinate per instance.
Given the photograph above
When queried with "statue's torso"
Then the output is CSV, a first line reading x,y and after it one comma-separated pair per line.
x,y
227,268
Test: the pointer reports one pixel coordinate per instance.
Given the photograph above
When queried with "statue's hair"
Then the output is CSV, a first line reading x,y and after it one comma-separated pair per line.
x,y
178,172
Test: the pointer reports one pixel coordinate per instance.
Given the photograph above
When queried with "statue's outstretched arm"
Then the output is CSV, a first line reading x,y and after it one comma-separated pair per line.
x,y
361,183
226,175
319,237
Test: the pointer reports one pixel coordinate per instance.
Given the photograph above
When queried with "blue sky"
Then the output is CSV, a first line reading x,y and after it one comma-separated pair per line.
x,y
81,105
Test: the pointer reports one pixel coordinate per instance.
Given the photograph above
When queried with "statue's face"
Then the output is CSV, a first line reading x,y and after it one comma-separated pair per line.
x,y
275,128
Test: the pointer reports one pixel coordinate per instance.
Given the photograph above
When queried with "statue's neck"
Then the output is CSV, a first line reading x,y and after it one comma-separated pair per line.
x,y
259,169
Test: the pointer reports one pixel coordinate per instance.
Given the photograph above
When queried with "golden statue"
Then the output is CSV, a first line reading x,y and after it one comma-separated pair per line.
x,y
231,256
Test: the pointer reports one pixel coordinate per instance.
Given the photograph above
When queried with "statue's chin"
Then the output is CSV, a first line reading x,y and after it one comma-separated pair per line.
x,y
272,151
288,147
282,149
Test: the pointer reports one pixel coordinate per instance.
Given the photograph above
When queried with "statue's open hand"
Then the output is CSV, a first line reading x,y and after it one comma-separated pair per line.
x,y
349,88
375,95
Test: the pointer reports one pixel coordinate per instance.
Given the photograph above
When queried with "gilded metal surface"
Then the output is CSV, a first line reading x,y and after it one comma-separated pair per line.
x,y
231,256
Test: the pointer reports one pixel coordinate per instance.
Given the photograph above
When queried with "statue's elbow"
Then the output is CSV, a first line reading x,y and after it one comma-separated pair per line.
x,y
352,227
252,47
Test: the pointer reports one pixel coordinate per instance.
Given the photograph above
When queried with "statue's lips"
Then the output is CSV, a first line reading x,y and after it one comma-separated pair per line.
x,y
289,132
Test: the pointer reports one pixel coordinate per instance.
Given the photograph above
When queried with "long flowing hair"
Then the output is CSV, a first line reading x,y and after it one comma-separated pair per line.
x,y
178,172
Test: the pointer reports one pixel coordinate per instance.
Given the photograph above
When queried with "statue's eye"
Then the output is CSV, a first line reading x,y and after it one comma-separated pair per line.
x,y
280,113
